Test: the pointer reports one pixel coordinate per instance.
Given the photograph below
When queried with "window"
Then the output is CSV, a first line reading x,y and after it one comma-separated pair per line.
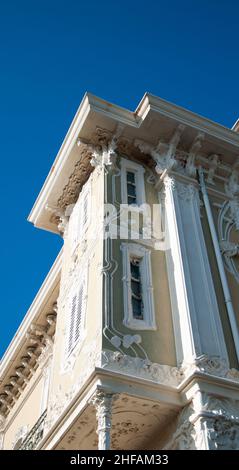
x,y
132,183
80,217
76,317
138,289
131,187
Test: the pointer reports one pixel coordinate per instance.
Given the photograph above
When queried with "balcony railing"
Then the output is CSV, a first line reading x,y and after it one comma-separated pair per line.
x,y
35,435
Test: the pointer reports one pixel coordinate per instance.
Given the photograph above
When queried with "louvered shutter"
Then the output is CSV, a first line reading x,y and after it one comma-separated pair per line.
x,y
74,226
76,317
71,327
79,314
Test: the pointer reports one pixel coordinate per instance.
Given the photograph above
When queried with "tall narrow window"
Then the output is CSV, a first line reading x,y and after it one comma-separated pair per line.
x,y
138,288
131,187
132,183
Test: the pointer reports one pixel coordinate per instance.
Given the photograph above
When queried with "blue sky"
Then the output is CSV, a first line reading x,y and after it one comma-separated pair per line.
x,y
51,53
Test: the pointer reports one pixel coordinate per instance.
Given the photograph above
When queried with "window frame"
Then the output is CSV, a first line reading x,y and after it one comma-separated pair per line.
x,y
130,250
138,170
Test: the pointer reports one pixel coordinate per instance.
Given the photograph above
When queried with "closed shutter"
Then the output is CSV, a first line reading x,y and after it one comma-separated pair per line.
x,y
79,314
76,317
70,343
81,218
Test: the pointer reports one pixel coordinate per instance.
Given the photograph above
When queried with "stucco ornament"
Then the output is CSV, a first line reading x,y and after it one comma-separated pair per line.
x,y
208,422
20,436
228,226
212,365
137,367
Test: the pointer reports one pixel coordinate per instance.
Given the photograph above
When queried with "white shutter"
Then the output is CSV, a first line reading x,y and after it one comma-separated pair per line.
x,y
79,314
76,317
80,218
85,212
74,226
70,343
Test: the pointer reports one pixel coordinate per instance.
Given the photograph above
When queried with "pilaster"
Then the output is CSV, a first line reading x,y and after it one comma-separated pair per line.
x,y
195,311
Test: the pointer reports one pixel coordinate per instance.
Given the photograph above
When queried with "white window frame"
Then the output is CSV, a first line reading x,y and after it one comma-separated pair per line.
x,y
130,250
77,229
76,292
138,170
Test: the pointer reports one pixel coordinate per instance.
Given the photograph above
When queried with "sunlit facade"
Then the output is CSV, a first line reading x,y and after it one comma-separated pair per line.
x,y
132,340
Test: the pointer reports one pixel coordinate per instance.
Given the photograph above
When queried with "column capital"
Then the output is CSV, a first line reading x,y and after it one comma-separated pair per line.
x,y
102,401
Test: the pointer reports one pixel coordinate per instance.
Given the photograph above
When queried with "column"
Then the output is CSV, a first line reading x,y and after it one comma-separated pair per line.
x,y
102,402
196,317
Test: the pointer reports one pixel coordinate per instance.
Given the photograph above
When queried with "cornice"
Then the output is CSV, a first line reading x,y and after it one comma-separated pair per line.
x,y
184,116
94,112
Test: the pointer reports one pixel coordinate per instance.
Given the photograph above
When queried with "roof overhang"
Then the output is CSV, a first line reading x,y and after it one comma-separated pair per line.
x,y
40,306
154,118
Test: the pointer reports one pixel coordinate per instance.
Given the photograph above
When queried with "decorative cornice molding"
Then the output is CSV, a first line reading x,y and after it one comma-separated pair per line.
x,y
136,367
77,179
37,353
211,365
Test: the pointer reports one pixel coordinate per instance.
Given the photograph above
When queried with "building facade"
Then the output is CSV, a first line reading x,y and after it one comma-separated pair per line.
x,y
132,341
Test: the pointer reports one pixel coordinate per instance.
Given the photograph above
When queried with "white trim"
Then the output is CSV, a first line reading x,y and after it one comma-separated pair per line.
x,y
92,107
46,386
71,328
77,226
148,323
196,318
128,165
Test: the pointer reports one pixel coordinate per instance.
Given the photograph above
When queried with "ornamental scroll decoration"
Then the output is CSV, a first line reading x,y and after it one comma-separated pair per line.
x,y
228,227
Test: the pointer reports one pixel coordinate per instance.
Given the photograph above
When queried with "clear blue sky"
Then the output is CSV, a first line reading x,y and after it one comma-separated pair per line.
x,y
51,53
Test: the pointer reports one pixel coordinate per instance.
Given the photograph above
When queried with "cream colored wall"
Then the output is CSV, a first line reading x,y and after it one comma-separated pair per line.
x,y
67,381
27,412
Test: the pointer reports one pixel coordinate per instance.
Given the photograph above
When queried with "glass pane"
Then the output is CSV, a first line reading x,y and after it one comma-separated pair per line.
x,y
131,190
136,288
135,272
131,200
130,177
137,307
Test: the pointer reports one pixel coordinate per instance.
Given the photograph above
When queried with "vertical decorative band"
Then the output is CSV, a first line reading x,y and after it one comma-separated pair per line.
x,y
102,401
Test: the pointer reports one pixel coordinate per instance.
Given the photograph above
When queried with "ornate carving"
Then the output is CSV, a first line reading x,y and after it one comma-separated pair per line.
x,y
213,163
37,351
208,422
222,435
163,154
126,341
136,367
19,436
232,185
212,365
103,401
228,221
59,217
196,146
229,249
79,176
186,192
